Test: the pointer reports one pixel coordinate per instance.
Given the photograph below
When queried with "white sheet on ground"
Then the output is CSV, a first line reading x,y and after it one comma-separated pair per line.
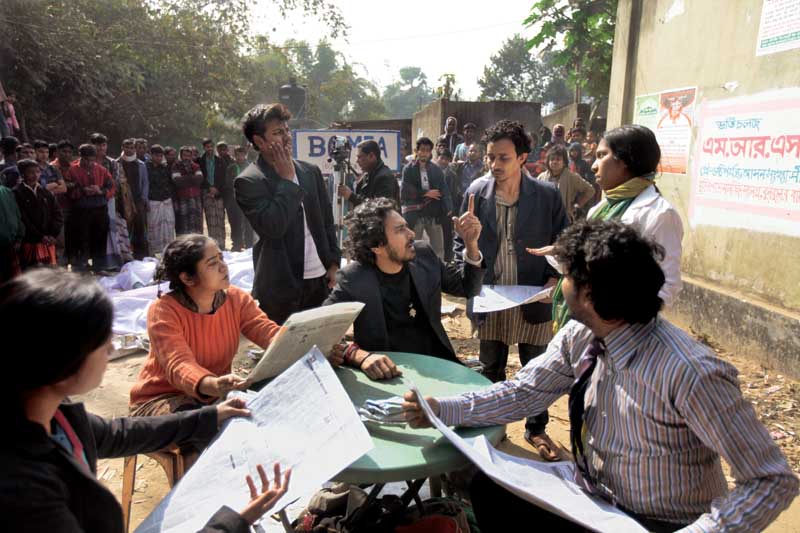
x,y
302,412
501,297
548,485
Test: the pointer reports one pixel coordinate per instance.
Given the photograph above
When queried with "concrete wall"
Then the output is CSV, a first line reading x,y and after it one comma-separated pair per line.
x,y
429,122
403,125
708,45
567,115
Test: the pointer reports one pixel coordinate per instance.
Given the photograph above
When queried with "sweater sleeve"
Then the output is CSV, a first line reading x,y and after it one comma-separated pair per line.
x,y
172,351
254,323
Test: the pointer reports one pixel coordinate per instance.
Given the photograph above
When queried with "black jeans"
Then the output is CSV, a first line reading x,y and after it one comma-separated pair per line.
x,y
447,238
494,357
497,509
90,226
313,293
138,230
241,230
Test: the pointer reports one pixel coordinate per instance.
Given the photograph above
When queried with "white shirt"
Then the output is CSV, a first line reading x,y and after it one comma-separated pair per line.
x,y
312,266
656,219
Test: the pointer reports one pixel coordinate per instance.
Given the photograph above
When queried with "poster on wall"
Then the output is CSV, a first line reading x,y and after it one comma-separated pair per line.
x,y
670,114
746,164
780,27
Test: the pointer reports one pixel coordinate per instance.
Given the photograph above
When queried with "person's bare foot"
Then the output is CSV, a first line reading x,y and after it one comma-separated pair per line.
x,y
544,445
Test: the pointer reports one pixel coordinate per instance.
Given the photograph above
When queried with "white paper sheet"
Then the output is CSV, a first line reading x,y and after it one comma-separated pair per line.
x,y
322,327
548,485
501,297
304,419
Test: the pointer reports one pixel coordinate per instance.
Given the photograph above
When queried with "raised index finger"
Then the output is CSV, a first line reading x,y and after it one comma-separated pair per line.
x,y
471,205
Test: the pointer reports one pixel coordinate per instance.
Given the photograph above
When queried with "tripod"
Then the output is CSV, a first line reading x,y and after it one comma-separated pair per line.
x,y
340,169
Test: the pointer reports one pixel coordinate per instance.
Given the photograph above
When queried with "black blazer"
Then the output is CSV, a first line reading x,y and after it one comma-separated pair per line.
x,y
274,207
412,196
431,277
378,184
220,173
540,218
44,489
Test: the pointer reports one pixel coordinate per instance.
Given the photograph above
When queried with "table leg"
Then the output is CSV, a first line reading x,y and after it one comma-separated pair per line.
x,y
287,525
413,493
436,486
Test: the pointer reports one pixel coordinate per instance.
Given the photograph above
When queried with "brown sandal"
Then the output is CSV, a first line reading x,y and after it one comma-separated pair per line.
x,y
544,445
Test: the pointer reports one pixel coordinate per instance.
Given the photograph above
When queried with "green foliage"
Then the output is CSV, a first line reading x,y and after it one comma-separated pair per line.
x,y
515,73
580,35
405,97
175,70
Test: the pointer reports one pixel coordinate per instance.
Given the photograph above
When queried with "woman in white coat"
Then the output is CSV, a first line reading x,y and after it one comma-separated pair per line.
x,y
626,165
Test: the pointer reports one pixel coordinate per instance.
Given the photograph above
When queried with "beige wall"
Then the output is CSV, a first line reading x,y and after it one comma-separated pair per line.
x,y
712,43
567,115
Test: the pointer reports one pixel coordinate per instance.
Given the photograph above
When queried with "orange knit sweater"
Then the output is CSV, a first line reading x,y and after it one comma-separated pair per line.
x,y
186,346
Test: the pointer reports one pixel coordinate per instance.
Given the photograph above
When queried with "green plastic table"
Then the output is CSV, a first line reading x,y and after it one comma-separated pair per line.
x,y
402,453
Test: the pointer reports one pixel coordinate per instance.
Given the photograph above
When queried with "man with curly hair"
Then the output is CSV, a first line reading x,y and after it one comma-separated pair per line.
x,y
401,281
516,211
652,410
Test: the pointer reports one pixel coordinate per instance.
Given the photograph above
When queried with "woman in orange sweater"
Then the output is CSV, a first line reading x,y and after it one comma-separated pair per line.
x,y
194,331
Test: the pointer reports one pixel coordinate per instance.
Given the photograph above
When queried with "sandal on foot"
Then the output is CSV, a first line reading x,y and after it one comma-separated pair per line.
x,y
544,445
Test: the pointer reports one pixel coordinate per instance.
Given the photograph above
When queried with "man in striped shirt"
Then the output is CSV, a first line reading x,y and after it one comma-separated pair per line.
x,y
651,409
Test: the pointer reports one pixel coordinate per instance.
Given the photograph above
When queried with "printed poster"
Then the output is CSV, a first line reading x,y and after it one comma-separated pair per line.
x,y
746,165
670,114
780,27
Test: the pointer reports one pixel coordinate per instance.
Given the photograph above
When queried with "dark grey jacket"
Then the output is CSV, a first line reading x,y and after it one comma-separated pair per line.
x,y
431,277
274,207
44,489
540,218
381,183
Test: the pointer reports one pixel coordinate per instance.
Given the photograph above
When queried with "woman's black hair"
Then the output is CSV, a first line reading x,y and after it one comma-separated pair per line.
x,y
618,266
181,256
58,319
557,151
512,130
365,229
636,146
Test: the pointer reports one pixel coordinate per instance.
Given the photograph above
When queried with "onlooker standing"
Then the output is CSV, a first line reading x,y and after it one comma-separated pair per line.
x,y
516,211
50,177
460,154
451,138
465,172
135,172
241,230
93,187
297,256
170,156
11,233
444,161
424,196
575,191
141,150
213,168
9,175
40,215
559,135
378,181
161,214
188,180
114,247
65,247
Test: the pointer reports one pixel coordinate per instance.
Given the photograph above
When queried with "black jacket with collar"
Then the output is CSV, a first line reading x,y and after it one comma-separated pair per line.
x,y
540,219
274,206
220,173
44,489
380,183
412,196
359,283
40,213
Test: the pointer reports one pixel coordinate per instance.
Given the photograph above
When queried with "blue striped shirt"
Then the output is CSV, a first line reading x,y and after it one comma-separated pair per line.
x,y
660,411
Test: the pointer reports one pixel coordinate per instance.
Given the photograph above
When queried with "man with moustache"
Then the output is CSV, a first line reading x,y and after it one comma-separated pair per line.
x,y
400,282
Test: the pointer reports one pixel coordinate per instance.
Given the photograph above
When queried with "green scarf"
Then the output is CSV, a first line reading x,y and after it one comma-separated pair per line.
x,y
614,205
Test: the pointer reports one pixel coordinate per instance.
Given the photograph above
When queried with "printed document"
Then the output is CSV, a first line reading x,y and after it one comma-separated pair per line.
x,y
501,297
322,327
548,485
303,419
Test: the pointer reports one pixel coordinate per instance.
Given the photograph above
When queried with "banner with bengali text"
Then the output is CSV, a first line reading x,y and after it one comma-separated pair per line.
x,y
746,164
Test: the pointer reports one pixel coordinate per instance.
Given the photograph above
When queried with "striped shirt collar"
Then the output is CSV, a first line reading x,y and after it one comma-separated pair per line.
x,y
622,343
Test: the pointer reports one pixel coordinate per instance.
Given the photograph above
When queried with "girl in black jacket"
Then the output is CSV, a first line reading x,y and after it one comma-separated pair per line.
x,y
48,457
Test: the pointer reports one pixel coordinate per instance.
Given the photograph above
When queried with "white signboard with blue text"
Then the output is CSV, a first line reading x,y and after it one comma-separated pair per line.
x,y
311,146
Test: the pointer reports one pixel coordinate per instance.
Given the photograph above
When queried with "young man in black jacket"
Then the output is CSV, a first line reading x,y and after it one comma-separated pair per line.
x,y
400,282
287,203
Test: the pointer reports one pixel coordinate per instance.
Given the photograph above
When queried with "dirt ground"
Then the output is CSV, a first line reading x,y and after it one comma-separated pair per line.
x,y
776,399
